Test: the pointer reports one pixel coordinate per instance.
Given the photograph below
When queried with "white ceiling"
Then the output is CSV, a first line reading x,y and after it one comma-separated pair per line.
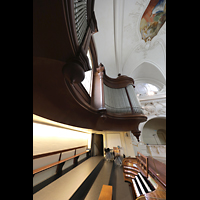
x,y
120,46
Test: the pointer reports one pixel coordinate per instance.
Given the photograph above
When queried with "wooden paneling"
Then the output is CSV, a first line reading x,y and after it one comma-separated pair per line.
x,y
119,82
157,170
59,96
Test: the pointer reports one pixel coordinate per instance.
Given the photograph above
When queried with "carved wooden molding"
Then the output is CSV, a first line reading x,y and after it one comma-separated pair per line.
x,y
73,71
119,82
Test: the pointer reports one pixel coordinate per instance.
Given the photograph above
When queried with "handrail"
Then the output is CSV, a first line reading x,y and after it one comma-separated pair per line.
x,y
56,152
35,171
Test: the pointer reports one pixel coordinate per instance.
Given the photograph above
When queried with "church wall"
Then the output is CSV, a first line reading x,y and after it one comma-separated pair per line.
x,y
150,135
152,108
126,147
48,138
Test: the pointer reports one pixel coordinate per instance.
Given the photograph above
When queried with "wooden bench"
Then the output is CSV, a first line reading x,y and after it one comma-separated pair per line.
x,y
106,193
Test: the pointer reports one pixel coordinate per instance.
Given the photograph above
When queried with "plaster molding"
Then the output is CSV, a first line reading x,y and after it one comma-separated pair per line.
x,y
143,47
149,80
147,61
149,45
154,108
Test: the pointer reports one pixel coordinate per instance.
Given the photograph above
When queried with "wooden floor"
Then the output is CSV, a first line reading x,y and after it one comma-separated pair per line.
x,y
121,189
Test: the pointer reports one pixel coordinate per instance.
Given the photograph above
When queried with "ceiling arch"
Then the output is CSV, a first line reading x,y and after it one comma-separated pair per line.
x,y
148,72
120,46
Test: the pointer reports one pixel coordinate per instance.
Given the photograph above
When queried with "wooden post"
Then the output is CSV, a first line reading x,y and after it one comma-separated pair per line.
x,y
100,73
98,100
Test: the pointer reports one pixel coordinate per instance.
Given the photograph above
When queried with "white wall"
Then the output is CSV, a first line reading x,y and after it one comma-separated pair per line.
x,y
128,144
154,107
113,140
150,131
47,138
119,138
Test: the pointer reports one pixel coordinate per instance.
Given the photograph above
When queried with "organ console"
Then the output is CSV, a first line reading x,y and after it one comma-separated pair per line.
x,y
146,176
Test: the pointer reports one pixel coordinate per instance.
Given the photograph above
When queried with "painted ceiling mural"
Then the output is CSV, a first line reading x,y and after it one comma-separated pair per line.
x,y
153,19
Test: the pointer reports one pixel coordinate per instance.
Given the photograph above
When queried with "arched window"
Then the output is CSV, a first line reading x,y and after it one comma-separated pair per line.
x,y
143,89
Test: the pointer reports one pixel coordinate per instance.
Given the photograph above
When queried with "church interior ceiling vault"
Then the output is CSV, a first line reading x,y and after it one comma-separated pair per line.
x,y
121,42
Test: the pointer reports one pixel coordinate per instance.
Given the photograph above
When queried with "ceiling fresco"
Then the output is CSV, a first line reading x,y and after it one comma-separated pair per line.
x,y
153,18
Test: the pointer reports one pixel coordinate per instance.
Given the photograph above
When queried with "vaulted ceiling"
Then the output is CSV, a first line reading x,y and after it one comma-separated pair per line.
x,y
119,43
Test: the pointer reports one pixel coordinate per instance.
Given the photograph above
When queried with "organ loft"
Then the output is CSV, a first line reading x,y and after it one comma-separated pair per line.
x,y
99,99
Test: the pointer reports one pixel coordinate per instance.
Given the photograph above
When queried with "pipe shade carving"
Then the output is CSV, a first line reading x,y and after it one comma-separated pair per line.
x,y
73,72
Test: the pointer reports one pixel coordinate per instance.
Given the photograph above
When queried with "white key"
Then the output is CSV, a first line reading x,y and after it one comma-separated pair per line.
x,y
143,192
149,190
136,189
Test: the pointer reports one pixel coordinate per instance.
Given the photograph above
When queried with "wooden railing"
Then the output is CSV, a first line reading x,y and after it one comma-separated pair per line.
x,y
142,164
149,165
60,162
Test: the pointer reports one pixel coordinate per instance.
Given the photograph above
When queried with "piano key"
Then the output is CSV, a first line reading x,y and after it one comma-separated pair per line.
x,y
136,189
143,185
140,185
149,190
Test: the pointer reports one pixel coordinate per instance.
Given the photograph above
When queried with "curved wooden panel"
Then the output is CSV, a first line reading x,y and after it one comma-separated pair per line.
x,y
57,91
119,82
